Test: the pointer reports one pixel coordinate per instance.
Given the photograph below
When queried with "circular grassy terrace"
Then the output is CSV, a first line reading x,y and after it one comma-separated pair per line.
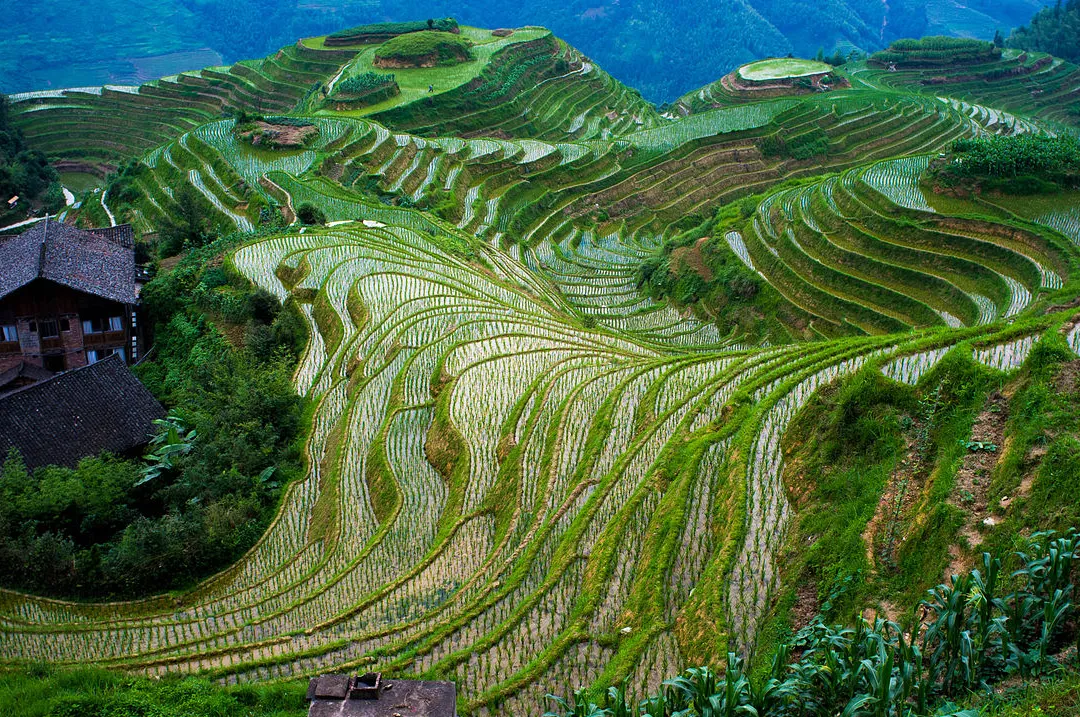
x,y
782,69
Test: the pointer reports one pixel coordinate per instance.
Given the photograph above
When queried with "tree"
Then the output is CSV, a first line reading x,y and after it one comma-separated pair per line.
x,y
188,227
999,41
54,198
310,214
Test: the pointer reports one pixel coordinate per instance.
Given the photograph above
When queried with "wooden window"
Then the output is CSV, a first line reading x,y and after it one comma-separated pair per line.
x,y
65,325
101,325
95,355
49,329
10,332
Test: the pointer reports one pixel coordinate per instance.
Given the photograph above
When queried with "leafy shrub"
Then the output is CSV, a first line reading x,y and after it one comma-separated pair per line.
x,y
290,121
1020,164
310,214
190,226
366,89
812,143
122,186
362,84
1001,156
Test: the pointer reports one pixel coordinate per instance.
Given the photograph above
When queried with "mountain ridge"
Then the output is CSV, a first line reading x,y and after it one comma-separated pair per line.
x,y
646,46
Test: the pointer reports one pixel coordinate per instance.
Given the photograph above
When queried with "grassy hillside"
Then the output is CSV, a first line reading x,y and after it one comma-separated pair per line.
x,y
44,692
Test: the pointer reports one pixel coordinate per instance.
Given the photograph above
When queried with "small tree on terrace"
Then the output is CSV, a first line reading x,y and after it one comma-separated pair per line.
x,y
187,227
310,214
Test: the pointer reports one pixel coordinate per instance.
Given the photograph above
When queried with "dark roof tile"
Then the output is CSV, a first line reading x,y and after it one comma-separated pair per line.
x,y
101,407
23,371
95,263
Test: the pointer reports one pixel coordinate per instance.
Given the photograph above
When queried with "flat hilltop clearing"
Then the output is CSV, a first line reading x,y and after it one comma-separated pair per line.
x,y
598,393
415,82
782,68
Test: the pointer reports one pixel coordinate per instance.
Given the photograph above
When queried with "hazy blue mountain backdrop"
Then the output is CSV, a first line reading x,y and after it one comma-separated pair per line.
x,y
663,48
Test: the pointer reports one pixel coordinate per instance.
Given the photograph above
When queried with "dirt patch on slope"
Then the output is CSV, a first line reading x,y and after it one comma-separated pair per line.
x,y
1067,379
972,486
806,604
884,533
691,258
278,136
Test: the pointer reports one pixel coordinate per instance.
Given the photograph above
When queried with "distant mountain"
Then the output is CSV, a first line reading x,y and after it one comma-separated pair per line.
x,y
662,48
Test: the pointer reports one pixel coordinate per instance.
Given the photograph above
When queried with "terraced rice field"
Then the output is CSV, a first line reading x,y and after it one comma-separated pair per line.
x,y
835,249
1033,89
523,472
494,456
414,82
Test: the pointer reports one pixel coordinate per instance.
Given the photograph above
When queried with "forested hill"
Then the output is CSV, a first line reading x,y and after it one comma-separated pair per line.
x,y
1055,30
663,49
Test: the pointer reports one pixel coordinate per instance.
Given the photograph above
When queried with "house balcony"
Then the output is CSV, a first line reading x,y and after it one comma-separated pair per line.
x,y
105,338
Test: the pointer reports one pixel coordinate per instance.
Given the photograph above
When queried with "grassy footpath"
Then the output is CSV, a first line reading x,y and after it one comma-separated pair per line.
x,y
43,691
1056,699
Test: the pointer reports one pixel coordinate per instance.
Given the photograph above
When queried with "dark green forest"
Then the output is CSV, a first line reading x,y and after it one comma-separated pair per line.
x,y
23,172
1055,30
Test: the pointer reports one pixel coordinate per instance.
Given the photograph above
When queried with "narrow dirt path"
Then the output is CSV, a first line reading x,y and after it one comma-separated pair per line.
x,y
972,486
290,212
112,219
885,531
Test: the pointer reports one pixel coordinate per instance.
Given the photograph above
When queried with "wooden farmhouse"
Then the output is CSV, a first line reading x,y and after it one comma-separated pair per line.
x,y
68,297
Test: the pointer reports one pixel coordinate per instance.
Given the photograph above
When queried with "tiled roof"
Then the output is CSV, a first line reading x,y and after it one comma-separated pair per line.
x,y
101,407
121,234
24,372
88,261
